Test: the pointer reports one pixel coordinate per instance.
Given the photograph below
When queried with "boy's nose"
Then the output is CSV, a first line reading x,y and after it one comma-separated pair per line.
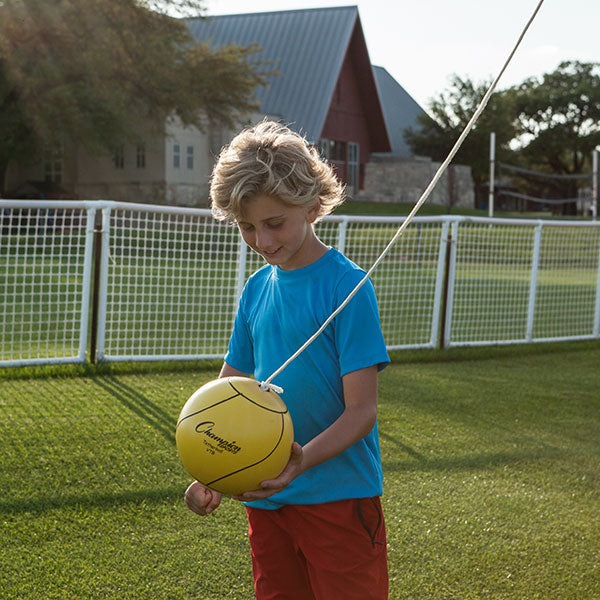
x,y
263,239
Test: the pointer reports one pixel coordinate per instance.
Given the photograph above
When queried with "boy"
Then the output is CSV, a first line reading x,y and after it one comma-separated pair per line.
x,y
317,530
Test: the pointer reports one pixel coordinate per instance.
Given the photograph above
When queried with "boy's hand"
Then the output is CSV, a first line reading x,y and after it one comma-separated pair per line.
x,y
200,499
272,486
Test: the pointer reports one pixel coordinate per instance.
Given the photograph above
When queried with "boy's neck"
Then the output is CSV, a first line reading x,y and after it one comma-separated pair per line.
x,y
313,250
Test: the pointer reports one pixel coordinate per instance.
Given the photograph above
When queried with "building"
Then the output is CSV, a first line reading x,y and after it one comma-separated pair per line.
x,y
326,89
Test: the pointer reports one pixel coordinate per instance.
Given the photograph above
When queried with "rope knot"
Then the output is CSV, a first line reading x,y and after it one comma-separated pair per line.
x,y
270,387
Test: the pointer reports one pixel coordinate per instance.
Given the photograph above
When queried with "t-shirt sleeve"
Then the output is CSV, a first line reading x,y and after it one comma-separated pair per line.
x,y
358,334
240,354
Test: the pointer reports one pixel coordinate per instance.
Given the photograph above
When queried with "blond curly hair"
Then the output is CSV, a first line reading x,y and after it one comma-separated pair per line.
x,y
272,160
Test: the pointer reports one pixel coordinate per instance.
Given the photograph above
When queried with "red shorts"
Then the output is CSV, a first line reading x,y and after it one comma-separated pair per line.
x,y
332,551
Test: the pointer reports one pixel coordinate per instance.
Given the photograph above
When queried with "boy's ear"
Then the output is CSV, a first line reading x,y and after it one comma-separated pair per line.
x,y
313,211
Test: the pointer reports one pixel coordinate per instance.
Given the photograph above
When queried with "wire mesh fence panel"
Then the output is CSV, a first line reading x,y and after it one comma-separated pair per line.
x,y
405,282
44,254
171,285
170,279
332,232
491,286
567,283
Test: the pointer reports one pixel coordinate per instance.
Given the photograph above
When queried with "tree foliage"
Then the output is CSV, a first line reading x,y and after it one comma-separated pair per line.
x,y
451,111
549,124
559,116
559,121
98,72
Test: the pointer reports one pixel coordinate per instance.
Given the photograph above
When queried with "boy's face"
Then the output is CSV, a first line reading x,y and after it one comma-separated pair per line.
x,y
281,234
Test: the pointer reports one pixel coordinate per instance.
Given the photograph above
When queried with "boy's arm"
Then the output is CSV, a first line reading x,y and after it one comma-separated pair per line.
x,y
229,371
357,420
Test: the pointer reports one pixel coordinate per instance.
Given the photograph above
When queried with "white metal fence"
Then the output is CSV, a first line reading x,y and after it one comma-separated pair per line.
x,y
117,281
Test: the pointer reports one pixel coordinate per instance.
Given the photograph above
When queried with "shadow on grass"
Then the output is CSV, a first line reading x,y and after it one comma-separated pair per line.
x,y
147,410
403,447
469,462
94,500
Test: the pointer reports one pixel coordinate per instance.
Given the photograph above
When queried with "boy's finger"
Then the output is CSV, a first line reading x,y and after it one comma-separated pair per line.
x,y
213,503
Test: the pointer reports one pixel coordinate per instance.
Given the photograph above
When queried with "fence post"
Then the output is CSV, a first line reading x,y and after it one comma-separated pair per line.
x,y
241,270
87,275
104,234
97,234
449,283
597,307
342,230
594,184
441,290
533,280
491,190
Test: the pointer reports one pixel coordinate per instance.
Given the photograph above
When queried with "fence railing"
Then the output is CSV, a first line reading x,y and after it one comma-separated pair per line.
x,y
109,281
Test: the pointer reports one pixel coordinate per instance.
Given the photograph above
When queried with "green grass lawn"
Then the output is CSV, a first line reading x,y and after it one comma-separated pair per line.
x,y
357,207
491,460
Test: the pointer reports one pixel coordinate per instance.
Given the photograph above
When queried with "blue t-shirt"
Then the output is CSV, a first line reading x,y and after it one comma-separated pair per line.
x,y
278,312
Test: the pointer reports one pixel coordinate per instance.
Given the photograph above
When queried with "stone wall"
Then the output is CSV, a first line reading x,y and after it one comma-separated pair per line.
x,y
142,193
387,179
174,194
403,180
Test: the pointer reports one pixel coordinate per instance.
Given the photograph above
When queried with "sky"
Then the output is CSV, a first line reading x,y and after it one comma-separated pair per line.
x,y
422,43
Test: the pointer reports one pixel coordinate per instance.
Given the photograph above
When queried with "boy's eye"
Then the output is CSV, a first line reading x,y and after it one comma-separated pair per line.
x,y
275,224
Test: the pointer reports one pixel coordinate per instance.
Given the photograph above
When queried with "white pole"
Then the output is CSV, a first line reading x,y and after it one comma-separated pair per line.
x,y
595,183
492,174
86,283
103,292
241,269
533,279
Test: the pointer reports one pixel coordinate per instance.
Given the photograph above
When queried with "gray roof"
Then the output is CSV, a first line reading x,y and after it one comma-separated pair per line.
x,y
400,111
307,46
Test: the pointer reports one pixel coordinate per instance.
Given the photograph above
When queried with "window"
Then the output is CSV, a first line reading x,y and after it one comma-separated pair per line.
x,y
346,157
140,156
353,167
337,151
54,163
332,150
176,156
119,157
190,157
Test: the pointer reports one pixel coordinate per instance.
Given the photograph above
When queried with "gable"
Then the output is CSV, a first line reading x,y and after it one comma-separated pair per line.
x,y
355,112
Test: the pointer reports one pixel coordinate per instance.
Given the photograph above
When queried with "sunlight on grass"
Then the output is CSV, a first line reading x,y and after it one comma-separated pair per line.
x,y
491,463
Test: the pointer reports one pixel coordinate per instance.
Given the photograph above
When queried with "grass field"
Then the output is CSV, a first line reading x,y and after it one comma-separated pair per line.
x,y
492,481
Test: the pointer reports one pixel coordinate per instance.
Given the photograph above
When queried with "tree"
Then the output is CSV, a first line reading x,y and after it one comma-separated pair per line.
x,y
451,111
98,72
549,124
559,125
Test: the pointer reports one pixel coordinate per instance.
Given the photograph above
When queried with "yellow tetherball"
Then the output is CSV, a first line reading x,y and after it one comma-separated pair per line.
x,y
231,435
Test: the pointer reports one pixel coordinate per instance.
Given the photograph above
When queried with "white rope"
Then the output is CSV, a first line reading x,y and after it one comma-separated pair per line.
x,y
267,383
